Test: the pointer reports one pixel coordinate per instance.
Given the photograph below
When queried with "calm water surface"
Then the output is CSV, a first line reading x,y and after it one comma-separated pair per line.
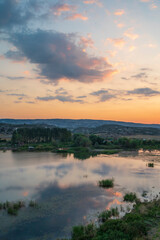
x,y
66,189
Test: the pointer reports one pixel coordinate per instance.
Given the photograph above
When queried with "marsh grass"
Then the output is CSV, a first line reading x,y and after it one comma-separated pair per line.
x,y
151,165
130,197
105,215
106,183
12,207
33,204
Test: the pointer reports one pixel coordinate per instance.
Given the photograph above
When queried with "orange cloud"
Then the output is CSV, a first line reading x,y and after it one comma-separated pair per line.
x,y
120,25
117,42
132,48
27,73
119,12
59,9
77,16
92,2
129,33
87,42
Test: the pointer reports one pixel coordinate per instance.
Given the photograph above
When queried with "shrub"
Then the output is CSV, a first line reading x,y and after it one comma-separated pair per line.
x,y
84,232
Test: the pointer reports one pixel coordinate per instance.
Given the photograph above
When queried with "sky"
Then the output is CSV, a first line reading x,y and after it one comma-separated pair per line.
x,y
80,59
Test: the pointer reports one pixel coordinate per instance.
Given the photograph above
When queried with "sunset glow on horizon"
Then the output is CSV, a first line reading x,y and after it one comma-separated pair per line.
x,y
94,59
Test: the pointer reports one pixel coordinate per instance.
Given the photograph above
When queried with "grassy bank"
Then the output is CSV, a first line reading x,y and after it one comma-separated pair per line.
x,y
143,222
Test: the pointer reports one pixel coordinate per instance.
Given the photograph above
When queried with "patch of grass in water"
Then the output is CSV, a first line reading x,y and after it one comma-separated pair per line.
x,y
151,165
12,207
107,183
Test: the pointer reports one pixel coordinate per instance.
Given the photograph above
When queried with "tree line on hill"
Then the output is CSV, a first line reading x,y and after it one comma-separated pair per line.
x,y
48,135
39,134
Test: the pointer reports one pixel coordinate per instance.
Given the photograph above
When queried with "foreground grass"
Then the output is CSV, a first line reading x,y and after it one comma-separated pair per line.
x,y
143,222
130,197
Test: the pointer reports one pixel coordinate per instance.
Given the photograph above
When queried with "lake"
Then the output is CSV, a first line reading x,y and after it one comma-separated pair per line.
x,y
66,189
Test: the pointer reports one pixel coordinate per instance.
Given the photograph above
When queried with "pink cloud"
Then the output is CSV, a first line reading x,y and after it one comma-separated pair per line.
x,y
129,33
87,42
117,42
119,12
92,2
154,6
60,8
75,16
119,25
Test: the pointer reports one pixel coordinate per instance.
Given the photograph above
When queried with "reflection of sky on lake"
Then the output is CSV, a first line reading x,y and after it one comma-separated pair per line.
x,y
25,172
67,188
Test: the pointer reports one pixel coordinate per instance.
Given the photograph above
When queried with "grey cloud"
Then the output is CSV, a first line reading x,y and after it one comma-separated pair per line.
x,y
144,92
17,94
103,95
57,56
15,78
30,102
61,98
99,92
61,91
12,13
145,69
14,55
124,78
140,75
81,96
12,78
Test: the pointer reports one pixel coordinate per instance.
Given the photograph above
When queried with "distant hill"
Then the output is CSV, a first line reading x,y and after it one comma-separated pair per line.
x,y
75,124
111,130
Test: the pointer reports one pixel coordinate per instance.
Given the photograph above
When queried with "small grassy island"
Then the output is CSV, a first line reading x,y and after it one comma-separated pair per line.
x,y
107,183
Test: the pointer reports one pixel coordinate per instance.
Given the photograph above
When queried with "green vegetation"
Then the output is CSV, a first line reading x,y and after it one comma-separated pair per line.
x,y
105,215
60,140
110,151
107,183
12,207
151,165
126,143
84,232
130,197
133,226
80,140
40,135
